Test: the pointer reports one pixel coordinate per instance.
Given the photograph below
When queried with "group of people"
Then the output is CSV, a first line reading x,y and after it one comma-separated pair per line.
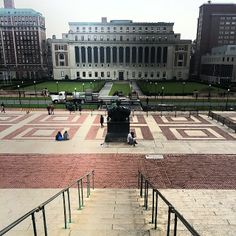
x,y
50,109
60,137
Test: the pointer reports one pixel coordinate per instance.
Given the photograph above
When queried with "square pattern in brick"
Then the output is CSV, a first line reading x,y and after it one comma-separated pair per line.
x,y
44,127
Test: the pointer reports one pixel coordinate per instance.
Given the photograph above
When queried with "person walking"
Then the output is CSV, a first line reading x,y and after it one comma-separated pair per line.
x,y
102,120
3,108
49,109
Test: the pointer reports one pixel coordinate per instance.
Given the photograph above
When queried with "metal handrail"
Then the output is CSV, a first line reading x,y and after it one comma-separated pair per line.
x,y
41,207
142,180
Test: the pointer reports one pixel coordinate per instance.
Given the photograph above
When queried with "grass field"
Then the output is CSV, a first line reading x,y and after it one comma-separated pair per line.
x,y
120,87
55,87
176,88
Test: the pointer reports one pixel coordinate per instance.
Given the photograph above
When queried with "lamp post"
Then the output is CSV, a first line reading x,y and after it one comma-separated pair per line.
x,y
18,86
183,88
35,88
209,96
83,87
227,100
155,90
162,92
91,84
57,87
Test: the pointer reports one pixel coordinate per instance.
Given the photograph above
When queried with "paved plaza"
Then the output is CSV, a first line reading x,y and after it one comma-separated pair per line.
x,y
196,161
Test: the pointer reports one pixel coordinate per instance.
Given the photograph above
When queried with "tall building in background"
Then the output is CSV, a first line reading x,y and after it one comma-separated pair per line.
x,y
121,49
9,4
216,27
23,43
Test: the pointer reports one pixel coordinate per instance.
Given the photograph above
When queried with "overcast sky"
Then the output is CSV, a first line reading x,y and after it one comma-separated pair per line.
x,y
58,13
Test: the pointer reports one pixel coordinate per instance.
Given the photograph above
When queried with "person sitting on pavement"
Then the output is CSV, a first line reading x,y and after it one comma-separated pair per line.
x,y
66,135
131,140
59,136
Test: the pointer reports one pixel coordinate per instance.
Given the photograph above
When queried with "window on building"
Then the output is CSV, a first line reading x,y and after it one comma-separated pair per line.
x,y
102,74
96,74
84,74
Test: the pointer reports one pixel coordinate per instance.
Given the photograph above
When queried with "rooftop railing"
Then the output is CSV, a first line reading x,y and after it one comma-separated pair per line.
x,y
65,193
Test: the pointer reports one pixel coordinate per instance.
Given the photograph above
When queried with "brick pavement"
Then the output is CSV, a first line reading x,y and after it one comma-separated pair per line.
x,y
118,170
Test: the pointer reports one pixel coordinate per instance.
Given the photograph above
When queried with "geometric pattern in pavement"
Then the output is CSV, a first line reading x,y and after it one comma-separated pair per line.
x,y
60,119
195,133
32,132
97,133
170,120
10,118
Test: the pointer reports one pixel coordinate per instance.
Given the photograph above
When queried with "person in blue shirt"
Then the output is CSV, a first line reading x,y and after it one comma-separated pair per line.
x,y
59,136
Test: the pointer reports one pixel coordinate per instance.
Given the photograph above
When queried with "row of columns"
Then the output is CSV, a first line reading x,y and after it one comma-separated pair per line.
x,y
147,55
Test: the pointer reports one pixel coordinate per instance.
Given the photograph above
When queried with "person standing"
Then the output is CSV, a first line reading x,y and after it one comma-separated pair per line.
x,y
3,108
52,109
102,120
49,109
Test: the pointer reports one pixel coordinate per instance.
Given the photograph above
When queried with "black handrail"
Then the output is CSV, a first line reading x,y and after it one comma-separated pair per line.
x,y
41,207
142,180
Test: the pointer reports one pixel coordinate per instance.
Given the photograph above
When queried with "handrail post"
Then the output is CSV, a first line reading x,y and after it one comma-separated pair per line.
x,y
153,204
69,209
141,186
168,222
88,185
175,225
64,206
44,221
82,192
79,197
93,178
34,224
147,194
156,210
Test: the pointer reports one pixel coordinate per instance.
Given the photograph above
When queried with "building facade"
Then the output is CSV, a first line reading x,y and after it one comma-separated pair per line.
x,y
216,27
22,43
120,49
219,66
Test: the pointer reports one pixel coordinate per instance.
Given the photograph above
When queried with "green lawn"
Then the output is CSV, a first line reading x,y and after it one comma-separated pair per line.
x,y
120,87
176,88
53,87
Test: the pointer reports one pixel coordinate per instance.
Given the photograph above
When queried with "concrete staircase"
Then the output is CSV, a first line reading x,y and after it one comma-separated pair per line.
x,y
112,212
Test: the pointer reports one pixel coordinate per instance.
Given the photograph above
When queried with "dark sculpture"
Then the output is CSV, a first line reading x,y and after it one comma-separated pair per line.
x,y
118,113
118,125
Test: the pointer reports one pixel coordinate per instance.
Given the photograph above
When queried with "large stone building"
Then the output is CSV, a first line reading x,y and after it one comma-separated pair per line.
x,y
216,27
22,43
121,49
219,66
